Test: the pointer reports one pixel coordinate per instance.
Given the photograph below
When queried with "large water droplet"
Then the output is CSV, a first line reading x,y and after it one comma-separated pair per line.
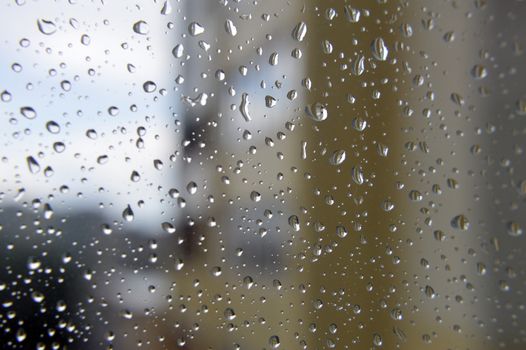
x,y
243,108
141,27
379,49
338,157
167,8
28,112
274,342
230,27
46,27
195,29
33,165
299,31
317,111
460,222
127,214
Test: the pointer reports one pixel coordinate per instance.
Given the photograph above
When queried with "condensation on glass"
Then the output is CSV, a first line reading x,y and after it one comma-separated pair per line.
x,y
262,174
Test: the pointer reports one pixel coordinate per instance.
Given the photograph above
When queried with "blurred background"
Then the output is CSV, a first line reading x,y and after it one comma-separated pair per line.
x,y
262,174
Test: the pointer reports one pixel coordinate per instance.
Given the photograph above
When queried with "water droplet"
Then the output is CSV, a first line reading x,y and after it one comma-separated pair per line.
x,y
359,124
429,292
415,196
229,314
294,222
449,36
274,59
357,175
85,39
377,340
327,47
191,187
46,27
303,149
379,50
168,227
216,271
317,112
53,127
460,222
407,30
179,264
299,31
127,214
230,27
178,51
21,335
457,99
248,282
270,101
514,229
273,341
135,176
33,165
167,8
33,264
382,149
341,231
6,96
106,229
255,196
243,108
103,159
37,297
28,112
358,66
479,71
352,14
149,86
520,107
338,157
195,29
141,27
113,111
